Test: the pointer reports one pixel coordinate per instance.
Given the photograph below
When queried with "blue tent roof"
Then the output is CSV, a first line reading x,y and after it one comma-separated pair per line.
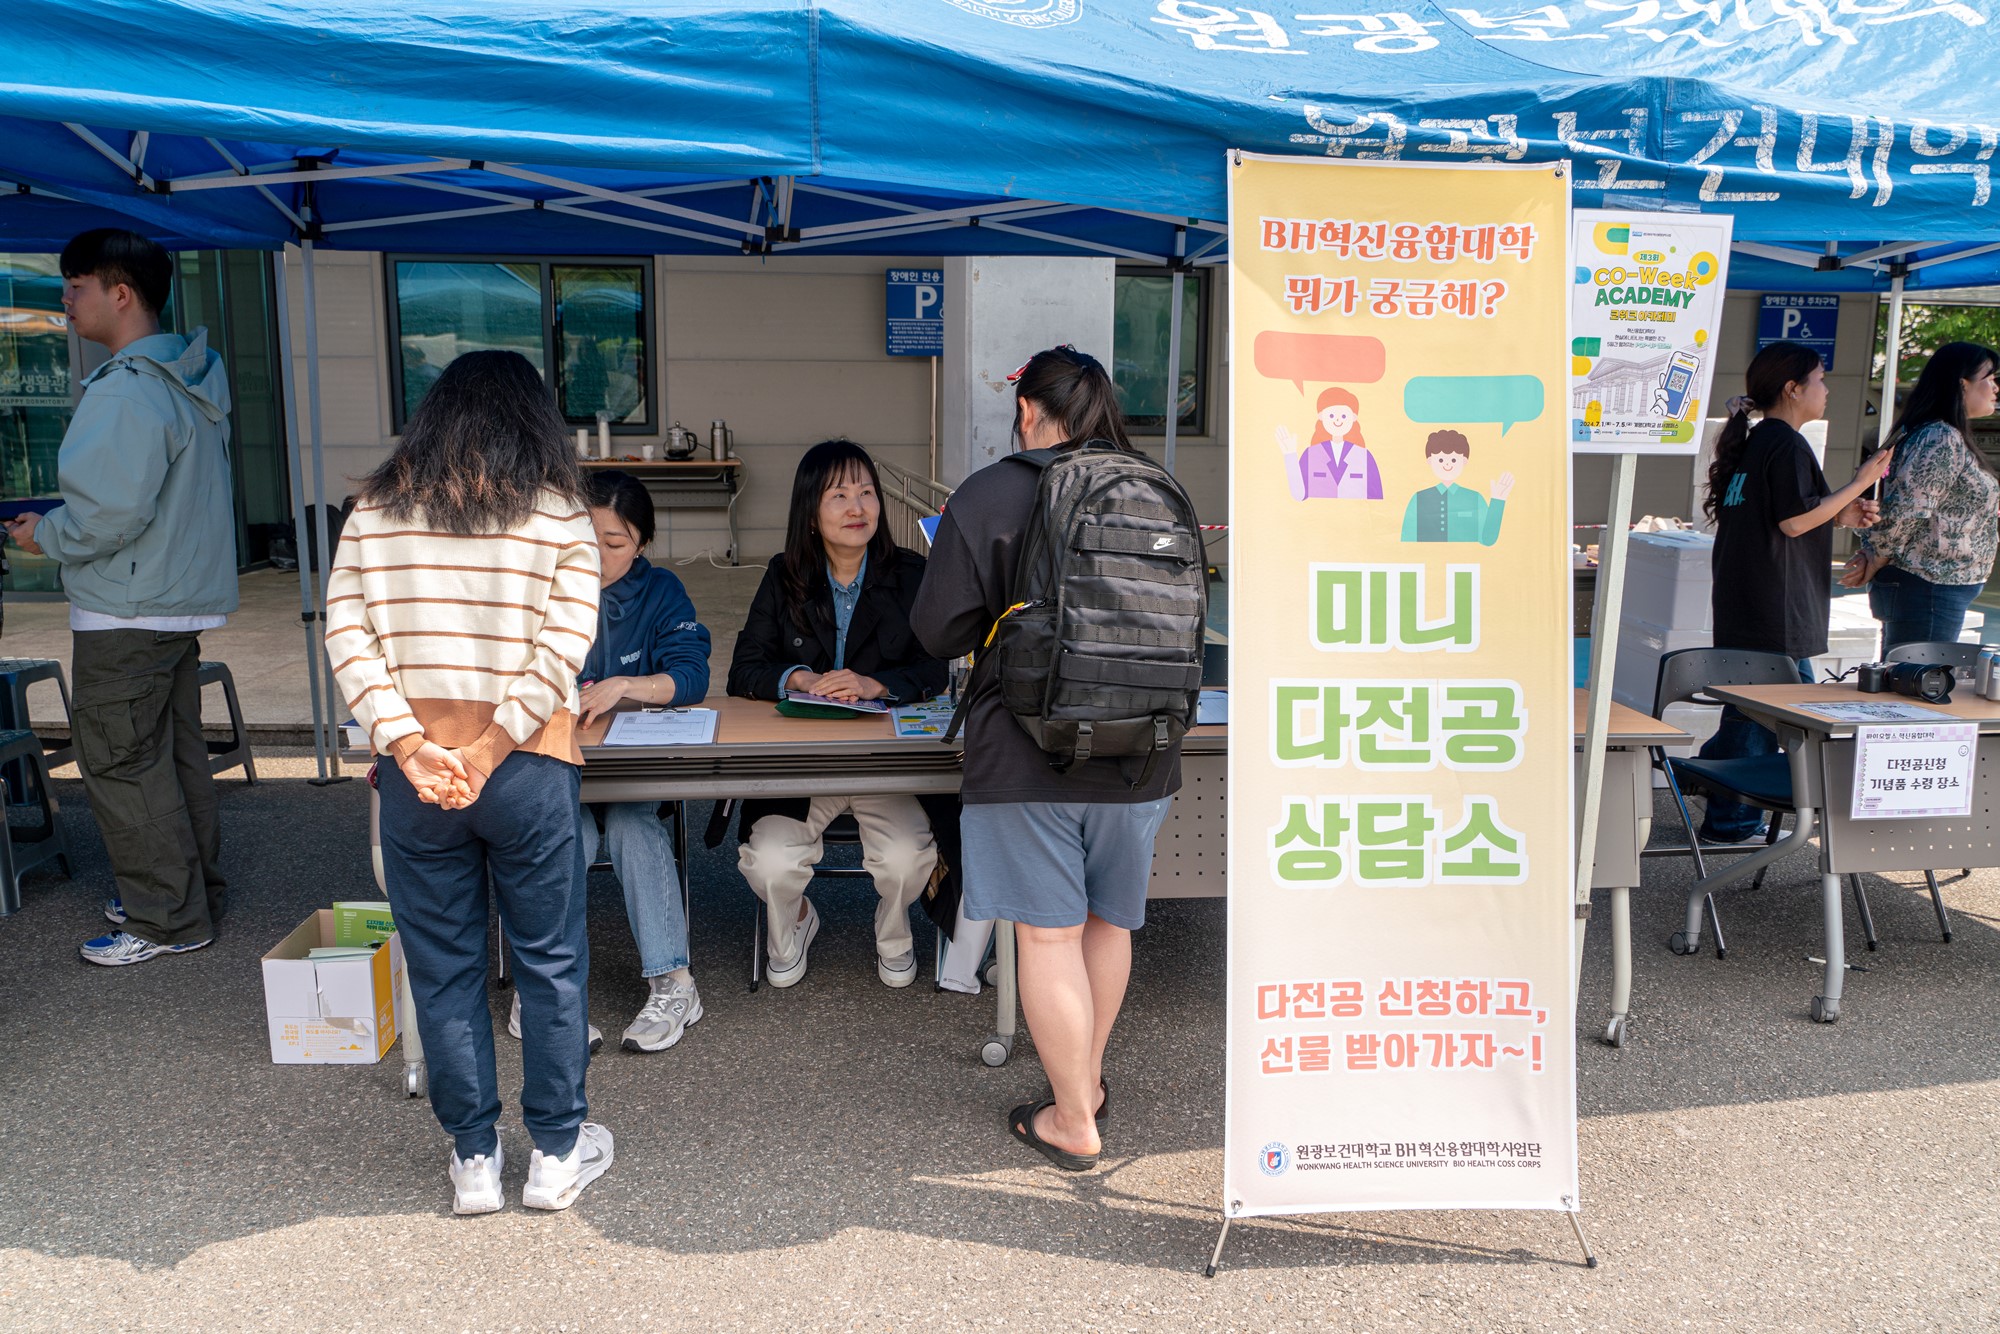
x,y
982,126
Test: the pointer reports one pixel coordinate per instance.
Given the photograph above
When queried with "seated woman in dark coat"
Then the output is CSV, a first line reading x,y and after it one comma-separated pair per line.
x,y
832,618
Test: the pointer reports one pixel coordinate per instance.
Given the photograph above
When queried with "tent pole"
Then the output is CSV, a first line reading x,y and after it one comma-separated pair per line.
x,y
315,639
1173,404
329,719
1886,416
1603,655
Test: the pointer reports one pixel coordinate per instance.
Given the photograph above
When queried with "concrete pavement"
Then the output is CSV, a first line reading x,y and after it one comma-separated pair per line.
x,y
832,1156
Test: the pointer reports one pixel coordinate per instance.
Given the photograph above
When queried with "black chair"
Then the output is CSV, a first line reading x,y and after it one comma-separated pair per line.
x,y
1763,781
23,848
227,755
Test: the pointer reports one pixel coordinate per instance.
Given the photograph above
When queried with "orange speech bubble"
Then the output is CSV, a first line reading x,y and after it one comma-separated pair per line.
x,y
1299,357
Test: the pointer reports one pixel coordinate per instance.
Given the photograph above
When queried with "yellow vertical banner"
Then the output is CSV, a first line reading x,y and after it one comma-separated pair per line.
x,y
1400,761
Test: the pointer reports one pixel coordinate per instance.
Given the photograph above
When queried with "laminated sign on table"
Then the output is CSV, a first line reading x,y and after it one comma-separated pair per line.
x,y
1914,771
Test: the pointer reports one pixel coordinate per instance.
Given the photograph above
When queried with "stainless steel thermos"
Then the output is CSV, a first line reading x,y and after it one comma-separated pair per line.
x,y
719,440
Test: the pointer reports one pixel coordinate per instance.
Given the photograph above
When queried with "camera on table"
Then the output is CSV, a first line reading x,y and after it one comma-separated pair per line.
x,y
1928,681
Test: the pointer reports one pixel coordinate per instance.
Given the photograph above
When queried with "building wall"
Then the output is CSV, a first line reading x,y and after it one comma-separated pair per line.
x,y
789,352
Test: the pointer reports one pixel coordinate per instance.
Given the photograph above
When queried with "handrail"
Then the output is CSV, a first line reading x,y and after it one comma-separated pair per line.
x,y
906,498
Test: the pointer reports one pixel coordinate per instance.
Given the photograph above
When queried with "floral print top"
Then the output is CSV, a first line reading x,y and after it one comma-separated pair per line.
x,y
1940,510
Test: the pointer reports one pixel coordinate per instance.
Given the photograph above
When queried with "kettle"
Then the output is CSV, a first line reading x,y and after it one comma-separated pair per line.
x,y
680,442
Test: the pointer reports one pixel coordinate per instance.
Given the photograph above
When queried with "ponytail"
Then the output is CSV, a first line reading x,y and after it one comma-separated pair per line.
x,y
1770,373
1074,391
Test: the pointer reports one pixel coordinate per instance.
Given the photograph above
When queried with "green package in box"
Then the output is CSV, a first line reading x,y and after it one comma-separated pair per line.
x,y
362,922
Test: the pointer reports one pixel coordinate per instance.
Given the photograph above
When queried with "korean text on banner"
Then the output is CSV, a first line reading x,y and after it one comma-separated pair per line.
x,y
1646,306
1400,915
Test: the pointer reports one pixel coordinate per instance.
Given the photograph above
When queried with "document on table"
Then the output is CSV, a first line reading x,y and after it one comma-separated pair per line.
x,y
1911,773
665,727
1887,711
929,719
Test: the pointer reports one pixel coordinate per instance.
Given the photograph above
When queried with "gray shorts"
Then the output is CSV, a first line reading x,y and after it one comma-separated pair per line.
x,y
1050,863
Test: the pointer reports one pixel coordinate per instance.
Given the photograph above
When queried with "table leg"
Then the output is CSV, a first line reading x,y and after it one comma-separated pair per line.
x,y
1826,1005
1621,966
1006,990
1688,940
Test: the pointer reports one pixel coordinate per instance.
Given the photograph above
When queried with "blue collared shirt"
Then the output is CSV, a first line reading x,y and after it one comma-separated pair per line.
x,y
845,596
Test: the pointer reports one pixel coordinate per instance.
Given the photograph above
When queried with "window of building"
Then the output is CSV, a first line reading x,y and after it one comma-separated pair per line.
x,y
1141,317
585,324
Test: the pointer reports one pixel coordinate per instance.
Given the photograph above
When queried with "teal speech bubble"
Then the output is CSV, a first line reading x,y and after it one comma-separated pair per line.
x,y
1461,400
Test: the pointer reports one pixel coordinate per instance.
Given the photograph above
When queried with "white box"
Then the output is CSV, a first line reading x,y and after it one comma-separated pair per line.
x,y
1641,645
330,1011
1667,580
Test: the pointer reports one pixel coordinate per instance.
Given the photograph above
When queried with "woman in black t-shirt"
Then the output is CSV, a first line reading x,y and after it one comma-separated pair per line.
x,y
1774,516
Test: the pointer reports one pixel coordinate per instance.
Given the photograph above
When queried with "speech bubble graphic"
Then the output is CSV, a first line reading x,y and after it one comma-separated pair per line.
x,y
1347,358
1461,400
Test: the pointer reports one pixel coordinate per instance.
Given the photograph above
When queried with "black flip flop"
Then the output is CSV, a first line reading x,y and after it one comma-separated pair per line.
x,y
1021,1125
1103,1113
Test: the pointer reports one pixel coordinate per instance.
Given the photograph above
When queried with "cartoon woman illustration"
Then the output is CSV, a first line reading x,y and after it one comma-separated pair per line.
x,y
1337,465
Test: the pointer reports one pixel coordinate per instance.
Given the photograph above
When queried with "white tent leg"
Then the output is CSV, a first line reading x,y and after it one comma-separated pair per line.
x,y
330,719
315,640
1887,416
1603,655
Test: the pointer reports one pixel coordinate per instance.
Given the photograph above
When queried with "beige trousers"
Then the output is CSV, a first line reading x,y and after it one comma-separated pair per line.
x,y
896,849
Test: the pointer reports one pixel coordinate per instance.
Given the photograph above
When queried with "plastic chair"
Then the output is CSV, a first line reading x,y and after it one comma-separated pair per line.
x,y
226,755
24,848
1763,781
16,675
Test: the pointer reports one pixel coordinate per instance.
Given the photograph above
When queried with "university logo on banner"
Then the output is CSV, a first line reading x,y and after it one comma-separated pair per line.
x,y
1400,847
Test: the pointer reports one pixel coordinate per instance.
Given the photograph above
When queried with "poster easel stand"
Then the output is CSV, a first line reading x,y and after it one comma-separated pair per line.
x,y
1605,617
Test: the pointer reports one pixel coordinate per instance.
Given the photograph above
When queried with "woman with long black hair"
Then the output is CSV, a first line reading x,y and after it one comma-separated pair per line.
x,y
1773,563
1932,550
459,611
832,618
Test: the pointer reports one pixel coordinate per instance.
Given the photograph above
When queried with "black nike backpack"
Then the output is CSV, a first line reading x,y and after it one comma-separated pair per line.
x,y
1099,653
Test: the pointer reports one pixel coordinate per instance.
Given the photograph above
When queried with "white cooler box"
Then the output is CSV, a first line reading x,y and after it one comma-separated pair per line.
x,y
1667,580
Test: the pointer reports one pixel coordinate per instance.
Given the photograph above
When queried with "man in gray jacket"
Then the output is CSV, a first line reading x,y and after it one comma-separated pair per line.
x,y
146,538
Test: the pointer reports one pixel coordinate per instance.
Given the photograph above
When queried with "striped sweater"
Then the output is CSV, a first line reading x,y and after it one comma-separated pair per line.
x,y
471,642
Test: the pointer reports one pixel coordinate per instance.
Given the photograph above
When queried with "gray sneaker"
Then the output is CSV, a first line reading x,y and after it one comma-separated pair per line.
x,y
669,1009
514,1026
788,968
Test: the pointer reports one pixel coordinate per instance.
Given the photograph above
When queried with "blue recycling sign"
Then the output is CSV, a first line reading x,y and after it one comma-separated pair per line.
x,y
916,312
1811,320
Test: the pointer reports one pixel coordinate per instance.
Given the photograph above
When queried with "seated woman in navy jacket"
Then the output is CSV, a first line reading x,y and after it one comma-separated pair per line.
x,y
650,650
833,617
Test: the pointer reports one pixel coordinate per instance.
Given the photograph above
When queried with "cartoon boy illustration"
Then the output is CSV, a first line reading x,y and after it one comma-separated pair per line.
x,y
1449,512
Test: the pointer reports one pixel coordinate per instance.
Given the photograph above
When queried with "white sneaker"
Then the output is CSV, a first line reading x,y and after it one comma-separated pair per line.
x,y
554,1183
514,1026
784,972
670,1008
899,971
476,1185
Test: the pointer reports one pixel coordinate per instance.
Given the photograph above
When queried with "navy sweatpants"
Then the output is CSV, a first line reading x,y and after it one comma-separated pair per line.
x,y
523,832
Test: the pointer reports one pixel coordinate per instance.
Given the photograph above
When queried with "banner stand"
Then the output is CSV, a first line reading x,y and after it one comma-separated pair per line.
x,y
1575,1217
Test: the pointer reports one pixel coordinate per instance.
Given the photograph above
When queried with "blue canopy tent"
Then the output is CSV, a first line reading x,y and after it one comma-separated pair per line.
x,y
1841,134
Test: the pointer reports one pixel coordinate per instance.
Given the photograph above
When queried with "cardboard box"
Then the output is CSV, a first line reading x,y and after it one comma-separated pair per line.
x,y
330,1011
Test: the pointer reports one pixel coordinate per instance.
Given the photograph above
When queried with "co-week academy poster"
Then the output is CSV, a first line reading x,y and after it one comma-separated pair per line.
x,y
1647,305
1400,914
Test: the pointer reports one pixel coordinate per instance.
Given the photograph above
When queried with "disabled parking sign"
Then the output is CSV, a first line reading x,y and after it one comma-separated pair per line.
x,y
915,309
1811,320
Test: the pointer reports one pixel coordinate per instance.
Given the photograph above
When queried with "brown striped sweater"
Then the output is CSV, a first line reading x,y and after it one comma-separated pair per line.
x,y
471,642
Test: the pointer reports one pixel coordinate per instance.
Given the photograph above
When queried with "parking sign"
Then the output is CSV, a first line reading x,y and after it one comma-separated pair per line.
x,y
1810,320
916,312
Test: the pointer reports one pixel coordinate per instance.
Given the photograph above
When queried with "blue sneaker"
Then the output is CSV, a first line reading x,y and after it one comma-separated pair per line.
x,y
122,947
114,911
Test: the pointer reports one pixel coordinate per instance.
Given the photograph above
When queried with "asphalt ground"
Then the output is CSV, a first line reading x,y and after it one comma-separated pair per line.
x,y
832,1157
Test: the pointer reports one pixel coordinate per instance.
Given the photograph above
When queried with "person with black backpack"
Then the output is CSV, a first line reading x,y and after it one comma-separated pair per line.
x,y
1074,571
